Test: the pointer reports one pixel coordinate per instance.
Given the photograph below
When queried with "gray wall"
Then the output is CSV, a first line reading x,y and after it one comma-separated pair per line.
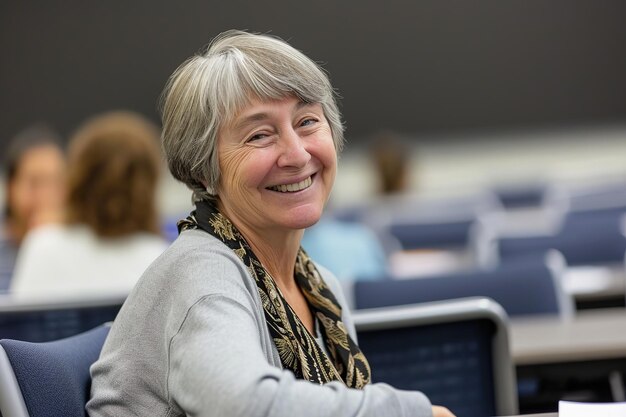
x,y
416,66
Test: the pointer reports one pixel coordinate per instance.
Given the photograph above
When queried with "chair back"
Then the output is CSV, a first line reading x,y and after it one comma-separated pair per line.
x,y
456,352
521,195
45,319
585,238
528,286
48,379
434,234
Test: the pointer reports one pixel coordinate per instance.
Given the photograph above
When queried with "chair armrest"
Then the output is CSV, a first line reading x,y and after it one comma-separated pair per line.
x,y
11,399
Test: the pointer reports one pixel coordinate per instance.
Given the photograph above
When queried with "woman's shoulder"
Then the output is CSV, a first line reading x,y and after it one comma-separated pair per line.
x,y
196,247
198,264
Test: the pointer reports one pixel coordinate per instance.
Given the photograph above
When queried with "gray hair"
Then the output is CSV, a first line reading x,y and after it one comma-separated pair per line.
x,y
209,89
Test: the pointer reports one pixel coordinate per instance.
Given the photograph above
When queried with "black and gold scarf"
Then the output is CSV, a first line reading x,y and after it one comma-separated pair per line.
x,y
297,348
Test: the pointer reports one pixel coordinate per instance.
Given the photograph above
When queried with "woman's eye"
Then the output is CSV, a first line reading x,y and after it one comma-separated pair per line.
x,y
258,136
308,122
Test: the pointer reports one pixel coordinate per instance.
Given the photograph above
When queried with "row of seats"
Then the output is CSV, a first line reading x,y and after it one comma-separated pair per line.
x,y
473,240
458,350
527,286
584,224
458,353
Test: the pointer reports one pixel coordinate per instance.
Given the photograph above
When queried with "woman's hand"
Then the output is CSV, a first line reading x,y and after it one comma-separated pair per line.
x,y
441,412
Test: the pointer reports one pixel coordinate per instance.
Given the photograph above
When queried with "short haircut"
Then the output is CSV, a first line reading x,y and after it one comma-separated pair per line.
x,y
114,166
35,136
209,89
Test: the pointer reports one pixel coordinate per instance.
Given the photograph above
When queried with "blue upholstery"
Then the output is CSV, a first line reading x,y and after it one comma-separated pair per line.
x,y
354,214
615,211
529,195
601,197
522,288
591,238
54,376
432,234
43,320
456,352
8,254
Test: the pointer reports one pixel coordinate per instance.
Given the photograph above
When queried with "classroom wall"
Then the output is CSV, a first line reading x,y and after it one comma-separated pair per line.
x,y
418,67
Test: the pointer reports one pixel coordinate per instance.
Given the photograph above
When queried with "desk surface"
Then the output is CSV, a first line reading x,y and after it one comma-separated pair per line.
x,y
595,282
590,335
538,415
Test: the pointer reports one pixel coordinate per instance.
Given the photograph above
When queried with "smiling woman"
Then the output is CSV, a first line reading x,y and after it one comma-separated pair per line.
x,y
235,319
277,173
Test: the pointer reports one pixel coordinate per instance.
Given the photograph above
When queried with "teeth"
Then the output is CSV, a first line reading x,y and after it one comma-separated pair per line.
x,y
292,188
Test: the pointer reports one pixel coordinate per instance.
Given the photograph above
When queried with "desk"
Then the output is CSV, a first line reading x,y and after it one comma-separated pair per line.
x,y
538,415
593,286
590,335
583,358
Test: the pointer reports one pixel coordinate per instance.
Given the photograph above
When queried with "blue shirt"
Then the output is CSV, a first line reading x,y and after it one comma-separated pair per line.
x,y
8,254
351,251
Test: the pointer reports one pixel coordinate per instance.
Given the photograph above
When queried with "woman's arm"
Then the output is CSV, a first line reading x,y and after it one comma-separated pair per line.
x,y
337,290
218,367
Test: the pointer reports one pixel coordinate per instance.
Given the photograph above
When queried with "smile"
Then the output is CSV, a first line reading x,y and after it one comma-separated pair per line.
x,y
292,188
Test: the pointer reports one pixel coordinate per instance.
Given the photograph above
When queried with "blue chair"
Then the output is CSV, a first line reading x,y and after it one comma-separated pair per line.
x,y
48,379
435,223
600,197
456,352
46,319
518,196
584,239
525,287
8,254
435,234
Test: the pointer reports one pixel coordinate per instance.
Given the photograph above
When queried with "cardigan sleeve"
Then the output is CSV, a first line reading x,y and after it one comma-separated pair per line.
x,y
217,367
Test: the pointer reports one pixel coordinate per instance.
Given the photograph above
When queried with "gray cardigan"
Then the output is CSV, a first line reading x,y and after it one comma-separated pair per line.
x,y
192,340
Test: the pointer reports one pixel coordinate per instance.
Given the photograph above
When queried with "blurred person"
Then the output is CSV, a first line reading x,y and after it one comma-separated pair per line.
x,y
391,158
235,319
351,251
110,232
34,171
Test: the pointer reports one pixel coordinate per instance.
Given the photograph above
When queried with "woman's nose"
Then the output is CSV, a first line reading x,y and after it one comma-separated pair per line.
x,y
293,151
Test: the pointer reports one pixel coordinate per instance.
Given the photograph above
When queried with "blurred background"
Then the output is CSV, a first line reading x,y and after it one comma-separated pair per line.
x,y
484,91
485,156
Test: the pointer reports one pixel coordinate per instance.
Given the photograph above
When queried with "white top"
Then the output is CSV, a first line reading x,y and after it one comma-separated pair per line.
x,y
68,260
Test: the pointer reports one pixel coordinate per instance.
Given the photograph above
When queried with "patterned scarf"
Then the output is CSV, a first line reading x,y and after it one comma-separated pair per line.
x,y
297,348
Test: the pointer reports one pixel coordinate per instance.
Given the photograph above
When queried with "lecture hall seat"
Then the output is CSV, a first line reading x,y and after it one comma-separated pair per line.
x,y
49,379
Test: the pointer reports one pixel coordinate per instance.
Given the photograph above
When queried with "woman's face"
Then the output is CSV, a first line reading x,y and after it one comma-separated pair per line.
x,y
36,193
278,165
